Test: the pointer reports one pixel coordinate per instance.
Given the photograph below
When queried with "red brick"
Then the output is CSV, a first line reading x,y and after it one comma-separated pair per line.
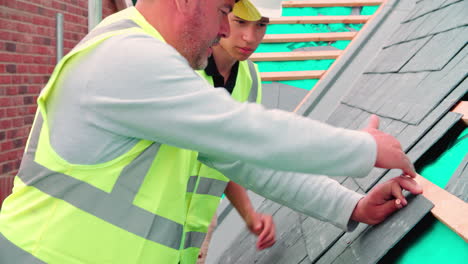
x,y
5,146
12,90
10,57
18,122
5,79
12,111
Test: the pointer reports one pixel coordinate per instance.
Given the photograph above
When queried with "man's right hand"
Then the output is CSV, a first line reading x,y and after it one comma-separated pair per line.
x,y
389,152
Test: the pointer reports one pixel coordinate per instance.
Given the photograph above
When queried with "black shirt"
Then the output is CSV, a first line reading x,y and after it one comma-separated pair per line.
x,y
218,79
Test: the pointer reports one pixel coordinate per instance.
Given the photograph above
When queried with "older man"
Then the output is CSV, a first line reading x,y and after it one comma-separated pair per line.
x,y
106,175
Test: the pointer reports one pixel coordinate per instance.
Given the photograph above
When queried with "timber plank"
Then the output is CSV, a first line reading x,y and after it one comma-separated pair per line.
x,y
291,75
320,19
305,37
448,208
330,3
462,108
296,55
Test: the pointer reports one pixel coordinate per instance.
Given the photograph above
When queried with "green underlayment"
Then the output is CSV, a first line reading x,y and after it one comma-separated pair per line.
x,y
308,65
439,244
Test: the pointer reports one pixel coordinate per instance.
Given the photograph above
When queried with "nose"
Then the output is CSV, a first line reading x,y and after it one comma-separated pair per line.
x,y
224,29
249,35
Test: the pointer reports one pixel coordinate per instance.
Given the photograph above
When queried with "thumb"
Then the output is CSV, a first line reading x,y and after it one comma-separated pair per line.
x,y
373,122
390,207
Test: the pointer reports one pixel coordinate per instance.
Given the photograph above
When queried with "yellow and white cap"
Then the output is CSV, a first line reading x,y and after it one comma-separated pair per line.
x,y
253,10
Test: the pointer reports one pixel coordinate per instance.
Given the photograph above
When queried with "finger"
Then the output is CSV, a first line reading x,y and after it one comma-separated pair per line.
x,y
397,193
266,224
408,168
409,184
389,207
373,122
267,245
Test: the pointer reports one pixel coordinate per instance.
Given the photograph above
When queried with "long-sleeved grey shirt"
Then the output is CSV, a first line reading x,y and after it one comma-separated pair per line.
x,y
134,87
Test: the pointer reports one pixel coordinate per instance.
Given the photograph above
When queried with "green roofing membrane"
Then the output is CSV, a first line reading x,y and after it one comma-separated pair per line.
x,y
439,244
309,65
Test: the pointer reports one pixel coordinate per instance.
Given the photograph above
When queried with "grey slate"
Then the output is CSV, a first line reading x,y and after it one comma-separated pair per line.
x,y
441,49
424,8
393,58
457,14
281,96
375,241
458,184
290,96
270,94
423,89
319,235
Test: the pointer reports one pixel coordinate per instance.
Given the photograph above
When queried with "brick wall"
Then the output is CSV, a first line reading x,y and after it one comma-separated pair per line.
x,y
27,58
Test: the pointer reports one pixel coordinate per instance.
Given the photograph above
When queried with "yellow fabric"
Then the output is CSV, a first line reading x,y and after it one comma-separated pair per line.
x,y
246,10
37,222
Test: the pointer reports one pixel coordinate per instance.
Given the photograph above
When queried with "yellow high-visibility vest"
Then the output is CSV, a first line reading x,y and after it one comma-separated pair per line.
x,y
105,213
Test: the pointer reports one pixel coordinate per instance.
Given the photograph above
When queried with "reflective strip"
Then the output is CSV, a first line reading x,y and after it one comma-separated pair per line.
x,y
191,183
254,88
207,186
194,239
117,207
11,253
119,25
211,186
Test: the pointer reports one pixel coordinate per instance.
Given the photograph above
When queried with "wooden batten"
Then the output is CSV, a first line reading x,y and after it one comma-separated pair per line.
x,y
296,55
320,20
330,3
462,108
449,209
305,37
291,75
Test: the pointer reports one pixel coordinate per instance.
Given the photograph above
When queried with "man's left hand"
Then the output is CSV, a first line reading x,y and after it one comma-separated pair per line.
x,y
384,199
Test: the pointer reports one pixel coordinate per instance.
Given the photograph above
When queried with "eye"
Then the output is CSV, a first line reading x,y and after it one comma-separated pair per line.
x,y
262,24
223,11
241,22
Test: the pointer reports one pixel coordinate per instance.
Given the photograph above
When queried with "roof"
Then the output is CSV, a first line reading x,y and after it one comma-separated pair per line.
x,y
408,66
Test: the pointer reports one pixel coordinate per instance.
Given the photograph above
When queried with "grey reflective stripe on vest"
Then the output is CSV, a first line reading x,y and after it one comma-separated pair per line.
x,y
194,239
207,186
118,25
192,183
117,207
10,253
254,89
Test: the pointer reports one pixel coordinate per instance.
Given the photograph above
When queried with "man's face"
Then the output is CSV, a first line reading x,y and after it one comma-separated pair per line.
x,y
244,38
204,26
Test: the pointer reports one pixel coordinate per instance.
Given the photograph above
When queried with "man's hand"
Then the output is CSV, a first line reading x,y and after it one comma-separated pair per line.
x,y
384,199
264,227
389,152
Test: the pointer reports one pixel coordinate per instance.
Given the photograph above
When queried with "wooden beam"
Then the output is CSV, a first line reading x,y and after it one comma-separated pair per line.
x,y
449,209
331,3
291,75
296,55
319,20
462,108
304,37
363,29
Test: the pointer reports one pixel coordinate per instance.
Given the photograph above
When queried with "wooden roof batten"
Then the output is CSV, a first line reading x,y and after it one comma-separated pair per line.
x,y
306,37
291,75
296,55
331,3
319,20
